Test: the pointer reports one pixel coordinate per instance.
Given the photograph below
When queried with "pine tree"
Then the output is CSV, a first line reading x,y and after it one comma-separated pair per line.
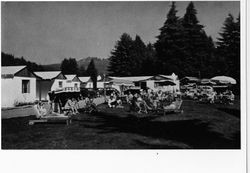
x,y
69,66
138,56
196,44
169,44
92,72
149,66
120,61
81,71
229,47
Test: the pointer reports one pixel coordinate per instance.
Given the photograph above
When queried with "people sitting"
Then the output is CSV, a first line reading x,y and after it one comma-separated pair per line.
x,y
42,112
70,105
231,97
172,106
90,106
112,102
211,97
175,105
75,103
141,104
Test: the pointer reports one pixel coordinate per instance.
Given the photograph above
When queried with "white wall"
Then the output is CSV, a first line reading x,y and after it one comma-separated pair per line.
x,y
89,85
55,85
12,91
100,84
68,83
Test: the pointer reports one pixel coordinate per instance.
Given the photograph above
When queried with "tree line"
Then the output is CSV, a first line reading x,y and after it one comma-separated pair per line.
x,y
182,47
10,60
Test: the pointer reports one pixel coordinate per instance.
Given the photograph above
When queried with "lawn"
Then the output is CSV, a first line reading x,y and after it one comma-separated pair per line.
x,y
201,126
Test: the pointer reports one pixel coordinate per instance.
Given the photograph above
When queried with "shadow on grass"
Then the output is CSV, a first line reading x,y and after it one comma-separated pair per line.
x,y
95,131
194,133
234,112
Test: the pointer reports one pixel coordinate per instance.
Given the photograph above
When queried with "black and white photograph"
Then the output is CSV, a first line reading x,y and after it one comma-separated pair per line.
x,y
121,75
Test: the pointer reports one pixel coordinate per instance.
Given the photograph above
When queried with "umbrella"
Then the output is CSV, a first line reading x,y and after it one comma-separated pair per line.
x,y
224,79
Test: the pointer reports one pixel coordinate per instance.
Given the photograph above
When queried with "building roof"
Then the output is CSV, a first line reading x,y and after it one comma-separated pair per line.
x,y
121,81
11,70
48,75
72,77
134,78
190,78
144,78
84,79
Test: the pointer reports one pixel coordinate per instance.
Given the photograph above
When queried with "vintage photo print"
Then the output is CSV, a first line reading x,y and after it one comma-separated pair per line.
x,y
139,76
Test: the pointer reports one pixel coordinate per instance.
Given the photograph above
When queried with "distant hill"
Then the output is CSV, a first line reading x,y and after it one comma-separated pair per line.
x,y
101,65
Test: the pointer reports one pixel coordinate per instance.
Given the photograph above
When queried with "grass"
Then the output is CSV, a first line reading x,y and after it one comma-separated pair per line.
x,y
201,126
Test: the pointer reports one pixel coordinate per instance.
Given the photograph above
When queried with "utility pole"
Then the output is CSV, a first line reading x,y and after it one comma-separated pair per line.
x,y
104,86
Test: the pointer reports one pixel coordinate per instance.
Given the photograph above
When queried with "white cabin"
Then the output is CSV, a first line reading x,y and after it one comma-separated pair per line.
x,y
18,86
48,81
168,83
86,82
72,83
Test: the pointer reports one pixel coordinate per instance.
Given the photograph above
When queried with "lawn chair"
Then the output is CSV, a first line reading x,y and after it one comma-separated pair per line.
x,y
49,118
176,108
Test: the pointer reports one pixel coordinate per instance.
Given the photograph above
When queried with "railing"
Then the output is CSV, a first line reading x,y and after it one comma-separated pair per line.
x,y
68,89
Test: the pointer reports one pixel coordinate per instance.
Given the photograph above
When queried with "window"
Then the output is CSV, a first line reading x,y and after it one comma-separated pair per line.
x,y
25,86
60,84
76,86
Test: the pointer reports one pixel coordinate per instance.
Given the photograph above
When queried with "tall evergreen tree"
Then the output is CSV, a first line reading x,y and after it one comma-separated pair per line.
x,y
138,56
149,66
120,61
81,71
229,47
169,44
69,66
92,72
195,44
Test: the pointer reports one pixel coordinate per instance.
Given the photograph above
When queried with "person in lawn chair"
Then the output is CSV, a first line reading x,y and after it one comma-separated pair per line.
x,y
90,106
141,104
175,106
39,106
70,106
231,98
42,112
112,101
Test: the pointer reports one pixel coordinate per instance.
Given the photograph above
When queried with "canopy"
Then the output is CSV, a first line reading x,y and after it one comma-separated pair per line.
x,y
122,82
207,81
224,79
166,82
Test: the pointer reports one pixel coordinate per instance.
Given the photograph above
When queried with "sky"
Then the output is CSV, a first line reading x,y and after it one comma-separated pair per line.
x,y
48,32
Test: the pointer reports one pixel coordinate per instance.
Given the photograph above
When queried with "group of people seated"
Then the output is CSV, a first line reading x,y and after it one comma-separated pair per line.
x,y
114,101
226,97
146,101
72,106
43,112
